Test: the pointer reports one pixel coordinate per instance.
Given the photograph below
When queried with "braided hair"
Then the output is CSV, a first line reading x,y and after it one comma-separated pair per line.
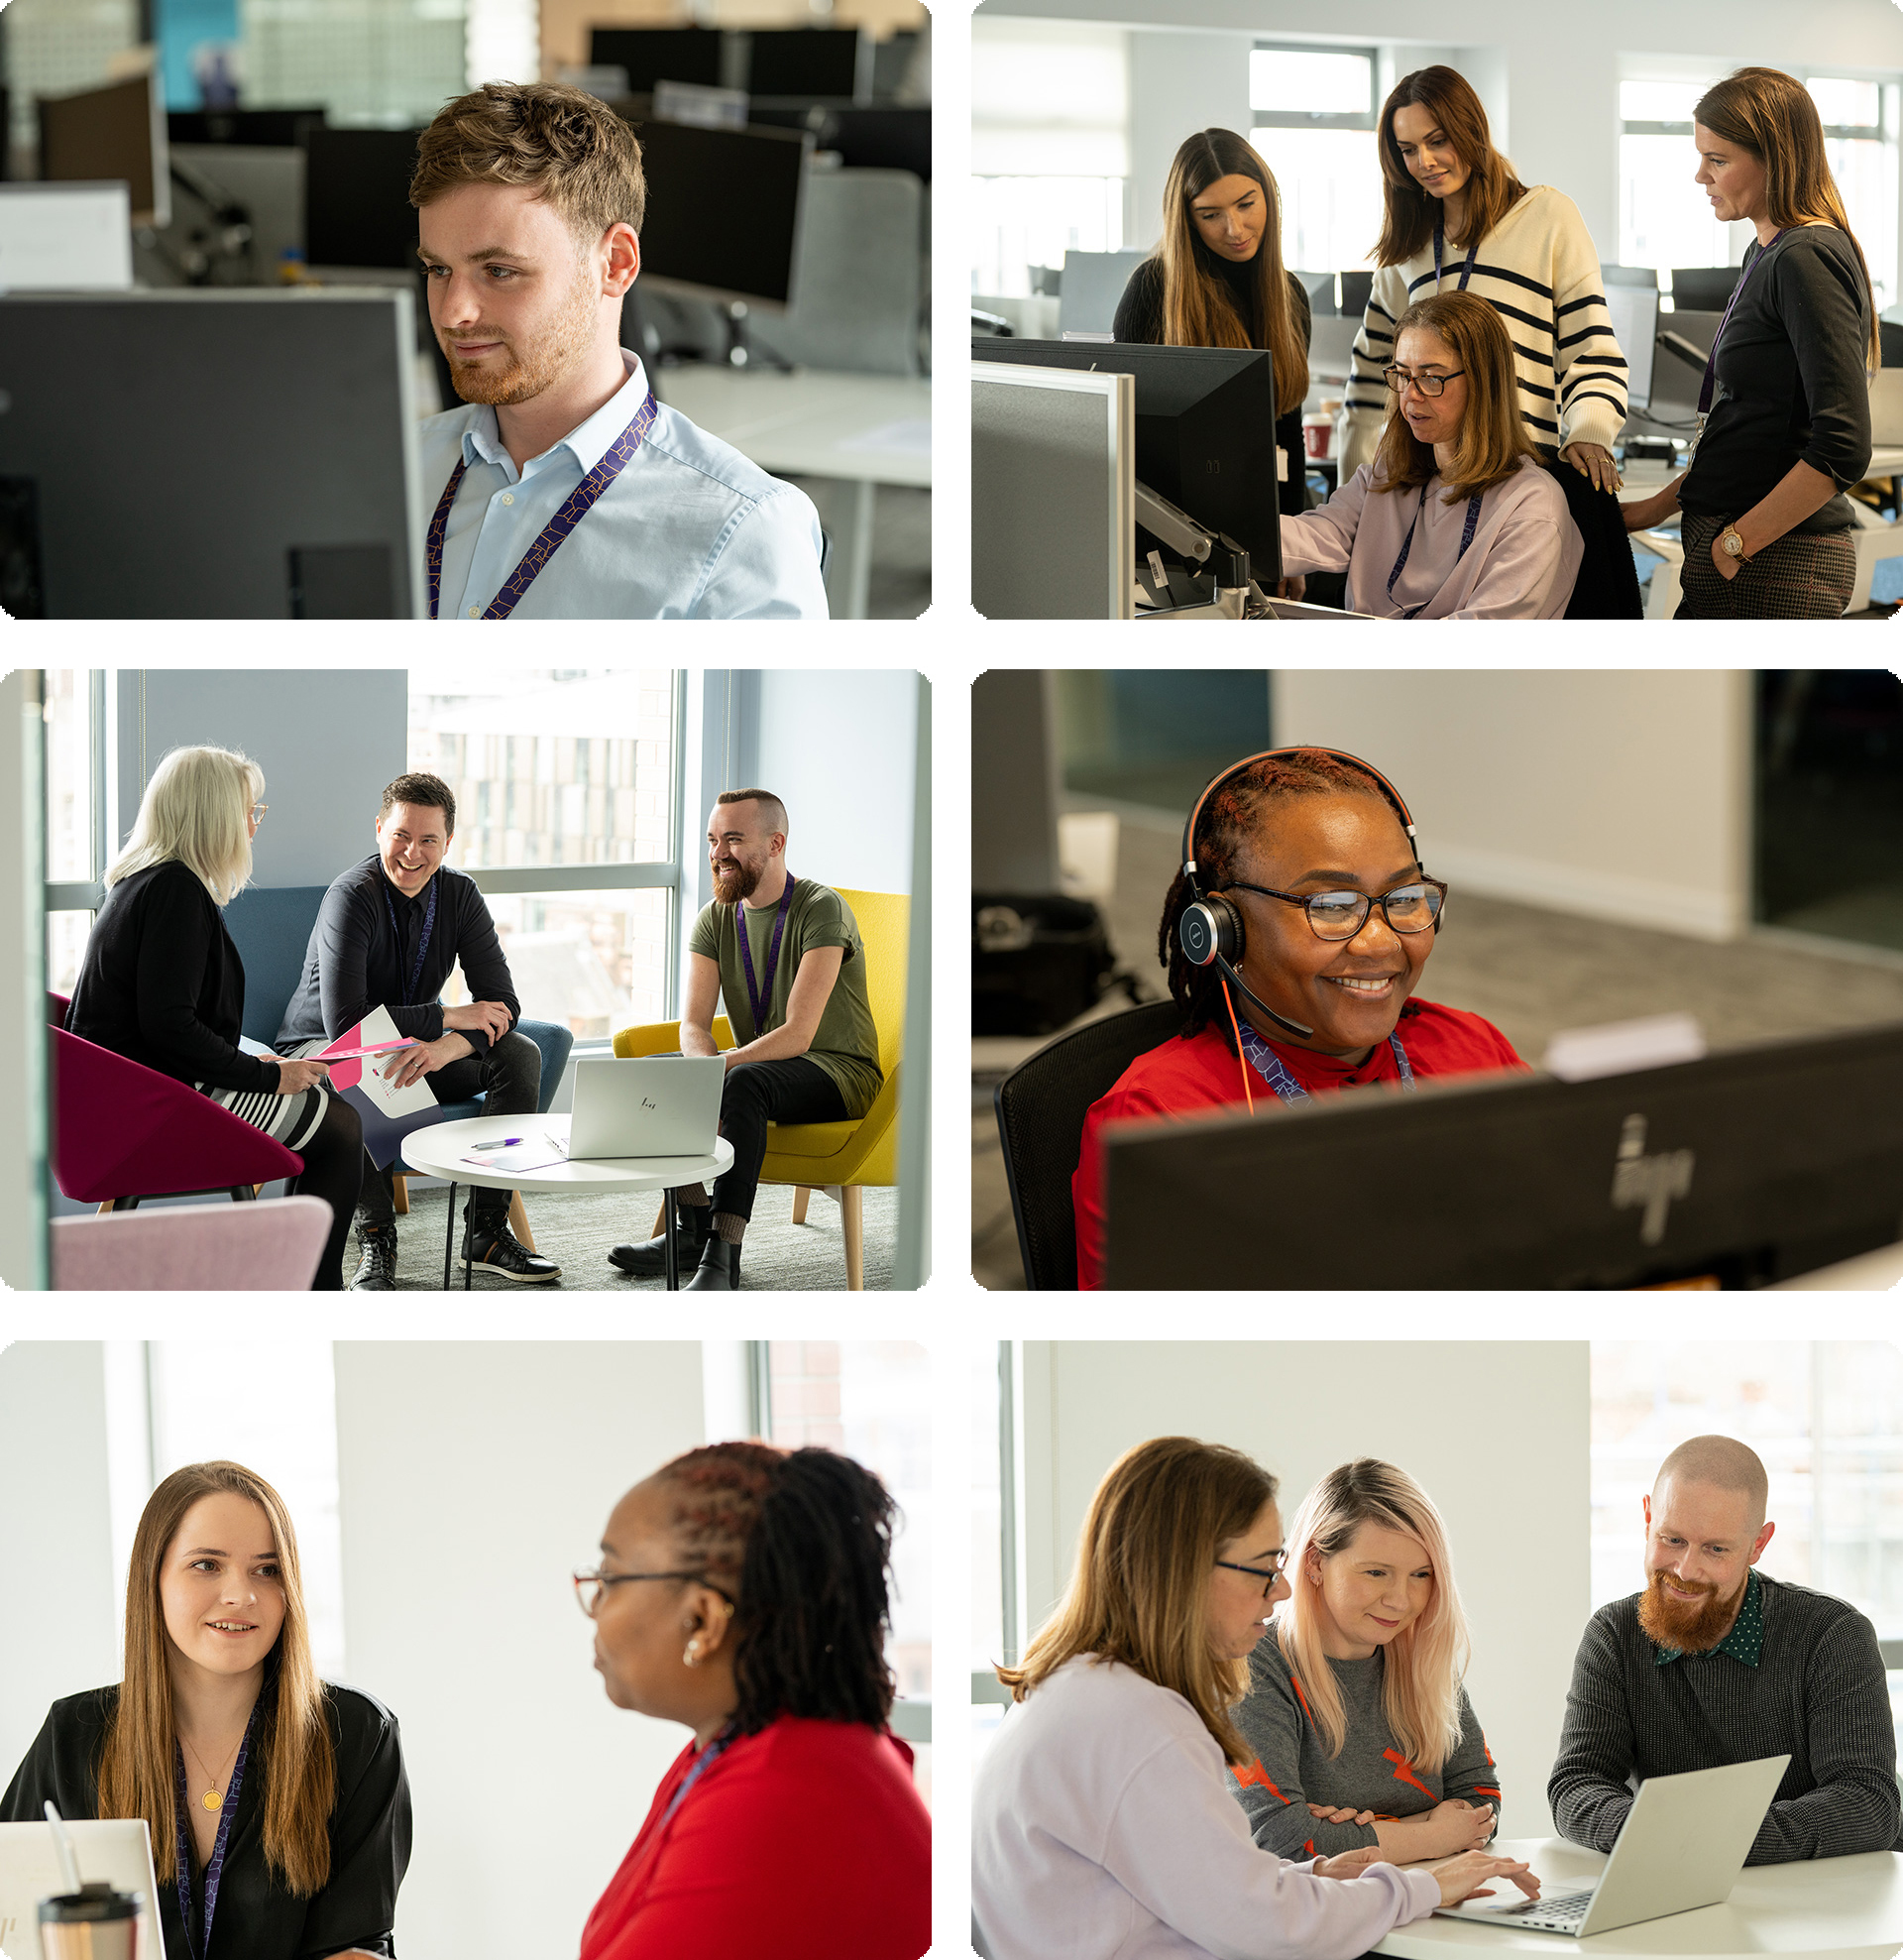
x,y
802,1540
1225,823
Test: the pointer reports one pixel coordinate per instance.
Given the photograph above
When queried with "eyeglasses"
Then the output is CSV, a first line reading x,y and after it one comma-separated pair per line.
x,y
1399,379
1269,1580
589,1587
258,812
1342,914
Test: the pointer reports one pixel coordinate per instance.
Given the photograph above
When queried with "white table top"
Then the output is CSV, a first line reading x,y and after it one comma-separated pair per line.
x,y
867,428
1832,1908
436,1151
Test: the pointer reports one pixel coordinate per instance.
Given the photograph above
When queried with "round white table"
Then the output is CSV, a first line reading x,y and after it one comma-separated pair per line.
x,y
438,1151
1835,1909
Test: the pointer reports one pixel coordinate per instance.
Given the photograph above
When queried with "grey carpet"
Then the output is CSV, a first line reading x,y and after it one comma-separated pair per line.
x,y
577,1230
1531,972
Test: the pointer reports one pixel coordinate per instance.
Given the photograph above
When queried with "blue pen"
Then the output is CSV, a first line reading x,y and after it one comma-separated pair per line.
x,y
506,1143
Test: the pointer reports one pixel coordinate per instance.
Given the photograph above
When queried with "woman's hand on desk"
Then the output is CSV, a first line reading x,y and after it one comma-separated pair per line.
x,y
293,1077
1340,1813
1466,1877
1653,509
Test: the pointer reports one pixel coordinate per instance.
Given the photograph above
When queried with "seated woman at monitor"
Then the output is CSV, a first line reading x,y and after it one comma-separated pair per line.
x,y
1455,518
1362,1732
277,1804
1217,279
1325,921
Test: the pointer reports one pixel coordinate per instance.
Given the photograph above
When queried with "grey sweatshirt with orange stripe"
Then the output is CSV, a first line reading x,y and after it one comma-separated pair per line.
x,y
1293,1769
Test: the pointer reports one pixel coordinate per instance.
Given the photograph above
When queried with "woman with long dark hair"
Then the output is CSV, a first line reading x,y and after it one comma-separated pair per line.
x,y
1786,409
1100,1820
277,1804
1216,279
1304,979
743,1592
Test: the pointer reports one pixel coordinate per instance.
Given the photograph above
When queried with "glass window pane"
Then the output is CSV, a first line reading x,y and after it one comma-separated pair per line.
x,y
1330,185
1286,80
392,62
1658,101
1663,218
68,721
1018,222
1847,103
1866,173
987,1513
66,936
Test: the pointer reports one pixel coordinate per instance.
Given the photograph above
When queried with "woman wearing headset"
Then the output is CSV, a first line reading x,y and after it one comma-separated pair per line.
x,y
1293,950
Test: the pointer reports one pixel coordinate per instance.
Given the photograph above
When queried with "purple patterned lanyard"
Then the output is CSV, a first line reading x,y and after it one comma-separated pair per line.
x,y
214,1870
1408,544
772,958
1711,360
1466,271
1269,1067
619,453
429,926
702,1763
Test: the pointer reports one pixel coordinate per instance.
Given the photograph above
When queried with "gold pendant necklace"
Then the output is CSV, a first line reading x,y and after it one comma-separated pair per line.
x,y
211,1798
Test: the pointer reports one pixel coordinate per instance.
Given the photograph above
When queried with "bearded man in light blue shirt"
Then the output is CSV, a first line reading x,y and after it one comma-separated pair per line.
x,y
564,489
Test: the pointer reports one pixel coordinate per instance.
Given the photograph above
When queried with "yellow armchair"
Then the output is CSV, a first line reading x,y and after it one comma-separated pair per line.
x,y
842,1158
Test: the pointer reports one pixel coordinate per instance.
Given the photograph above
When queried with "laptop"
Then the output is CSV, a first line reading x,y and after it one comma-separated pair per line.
x,y
117,1851
666,1105
1682,1846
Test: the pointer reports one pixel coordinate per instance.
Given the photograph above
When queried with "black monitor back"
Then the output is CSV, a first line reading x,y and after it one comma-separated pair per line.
x,y
357,209
1357,288
882,140
658,54
691,172
825,63
255,129
286,426
1746,1167
105,134
1205,430
1703,289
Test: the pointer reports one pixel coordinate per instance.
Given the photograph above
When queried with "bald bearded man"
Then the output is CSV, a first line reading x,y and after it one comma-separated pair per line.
x,y
1715,1664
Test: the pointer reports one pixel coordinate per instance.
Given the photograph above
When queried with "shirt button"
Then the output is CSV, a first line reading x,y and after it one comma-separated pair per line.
x,y
475,613
508,497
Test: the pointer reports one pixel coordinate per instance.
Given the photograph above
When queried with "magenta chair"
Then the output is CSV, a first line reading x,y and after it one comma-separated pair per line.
x,y
122,1131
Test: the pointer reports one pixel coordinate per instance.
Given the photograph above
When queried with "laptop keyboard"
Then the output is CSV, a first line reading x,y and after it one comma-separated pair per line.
x,y
1567,1909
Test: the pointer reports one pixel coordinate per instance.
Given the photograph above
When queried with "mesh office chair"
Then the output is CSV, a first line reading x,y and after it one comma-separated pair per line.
x,y
1040,1107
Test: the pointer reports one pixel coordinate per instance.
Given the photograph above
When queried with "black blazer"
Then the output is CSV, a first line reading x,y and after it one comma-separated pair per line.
x,y
257,1917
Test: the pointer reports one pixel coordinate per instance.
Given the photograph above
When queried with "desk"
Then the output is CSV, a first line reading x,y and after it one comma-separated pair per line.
x,y
853,430
1829,1908
436,1151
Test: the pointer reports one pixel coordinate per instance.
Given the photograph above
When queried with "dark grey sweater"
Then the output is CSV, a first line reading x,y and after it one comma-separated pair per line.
x,y
1818,1694
1294,1770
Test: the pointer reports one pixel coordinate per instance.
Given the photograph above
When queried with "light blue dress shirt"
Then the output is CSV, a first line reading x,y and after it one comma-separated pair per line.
x,y
689,530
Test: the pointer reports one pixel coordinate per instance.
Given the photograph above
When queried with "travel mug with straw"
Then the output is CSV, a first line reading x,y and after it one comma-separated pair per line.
x,y
97,1922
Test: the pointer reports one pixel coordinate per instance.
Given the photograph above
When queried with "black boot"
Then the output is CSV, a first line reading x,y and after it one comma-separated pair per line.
x,y
377,1267
490,1245
650,1261
719,1270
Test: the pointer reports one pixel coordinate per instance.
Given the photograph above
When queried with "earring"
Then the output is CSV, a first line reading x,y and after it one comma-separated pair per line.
x,y
692,1657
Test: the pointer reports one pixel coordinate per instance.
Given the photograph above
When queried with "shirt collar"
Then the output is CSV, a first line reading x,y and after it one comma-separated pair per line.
x,y
586,442
1745,1642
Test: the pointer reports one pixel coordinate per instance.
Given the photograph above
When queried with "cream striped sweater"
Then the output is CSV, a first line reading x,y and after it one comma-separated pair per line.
x,y
1540,269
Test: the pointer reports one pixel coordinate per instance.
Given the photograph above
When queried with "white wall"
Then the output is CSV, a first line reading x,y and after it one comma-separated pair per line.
x,y
59,1634
1626,796
1497,1433
475,1478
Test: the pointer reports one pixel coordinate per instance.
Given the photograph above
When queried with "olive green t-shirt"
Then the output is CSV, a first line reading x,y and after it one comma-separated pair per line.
x,y
846,1044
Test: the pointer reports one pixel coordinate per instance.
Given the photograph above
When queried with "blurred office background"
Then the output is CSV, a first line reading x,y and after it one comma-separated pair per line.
x,y
1586,1426
582,797
267,145
442,1494
1077,109
1723,844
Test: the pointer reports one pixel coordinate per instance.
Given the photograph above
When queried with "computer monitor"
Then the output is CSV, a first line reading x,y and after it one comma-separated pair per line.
x,y
1703,289
286,423
1092,284
1357,288
1320,288
357,209
255,129
694,172
1205,431
648,55
64,237
813,62
102,134
1634,311
1628,276
1746,1167
889,139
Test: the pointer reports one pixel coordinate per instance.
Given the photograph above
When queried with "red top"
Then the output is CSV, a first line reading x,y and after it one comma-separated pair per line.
x,y
807,1841
1201,1073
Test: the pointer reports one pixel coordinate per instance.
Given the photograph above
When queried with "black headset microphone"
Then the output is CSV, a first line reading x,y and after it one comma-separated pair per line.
x,y
1209,929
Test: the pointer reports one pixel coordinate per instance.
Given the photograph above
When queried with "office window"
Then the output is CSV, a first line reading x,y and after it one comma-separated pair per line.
x,y
993,1578
56,46
391,63
1314,112
1663,218
872,1400
564,783
1022,223
77,843
1860,129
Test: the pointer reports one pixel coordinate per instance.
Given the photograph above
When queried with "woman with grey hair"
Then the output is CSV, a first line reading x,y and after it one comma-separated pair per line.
x,y
161,984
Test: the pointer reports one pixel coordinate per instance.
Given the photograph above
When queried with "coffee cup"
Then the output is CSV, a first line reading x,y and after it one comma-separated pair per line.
x,y
97,1922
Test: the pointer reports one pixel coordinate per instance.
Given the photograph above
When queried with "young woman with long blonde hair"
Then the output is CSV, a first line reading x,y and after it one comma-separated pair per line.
x,y
278,1805
1100,1819
1358,1729
1785,409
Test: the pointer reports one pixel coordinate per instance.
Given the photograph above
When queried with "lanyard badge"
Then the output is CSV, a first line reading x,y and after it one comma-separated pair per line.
x,y
422,947
753,992
1275,1072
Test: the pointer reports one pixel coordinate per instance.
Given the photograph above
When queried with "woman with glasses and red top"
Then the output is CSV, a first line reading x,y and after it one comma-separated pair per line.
x,y
743,1592
1293,948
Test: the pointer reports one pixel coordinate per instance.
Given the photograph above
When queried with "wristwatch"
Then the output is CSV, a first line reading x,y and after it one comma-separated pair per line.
x,y
1733,543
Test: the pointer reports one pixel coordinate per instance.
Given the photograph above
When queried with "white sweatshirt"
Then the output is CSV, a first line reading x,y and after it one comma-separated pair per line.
x,y
1103,1828
1540,269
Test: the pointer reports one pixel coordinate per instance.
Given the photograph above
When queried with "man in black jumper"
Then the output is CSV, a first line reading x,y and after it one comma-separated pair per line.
x,y
1715,1664
388,934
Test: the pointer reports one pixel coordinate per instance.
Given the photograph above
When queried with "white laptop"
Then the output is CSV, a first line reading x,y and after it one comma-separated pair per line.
x,y
666,1105
1682,1846
115,1851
